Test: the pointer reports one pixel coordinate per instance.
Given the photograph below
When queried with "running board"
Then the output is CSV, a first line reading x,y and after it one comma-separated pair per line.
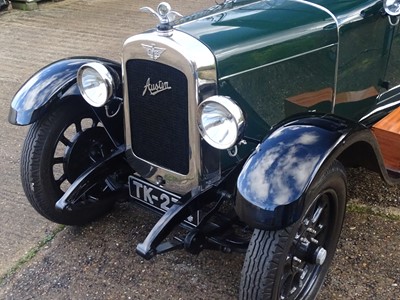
x,y
387,133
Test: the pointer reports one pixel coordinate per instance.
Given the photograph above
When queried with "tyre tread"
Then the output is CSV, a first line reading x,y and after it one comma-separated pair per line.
x,y
260,278
36,151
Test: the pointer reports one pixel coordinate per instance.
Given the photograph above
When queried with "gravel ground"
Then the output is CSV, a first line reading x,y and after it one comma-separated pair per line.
x,y
98,261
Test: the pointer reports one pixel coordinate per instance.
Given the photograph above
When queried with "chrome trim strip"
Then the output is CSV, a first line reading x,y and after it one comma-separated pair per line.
x,y
276,62
381,108
338,45
197,62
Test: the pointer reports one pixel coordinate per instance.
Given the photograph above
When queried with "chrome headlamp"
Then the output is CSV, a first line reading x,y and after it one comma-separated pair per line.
x,y
392,7
220,121
95,83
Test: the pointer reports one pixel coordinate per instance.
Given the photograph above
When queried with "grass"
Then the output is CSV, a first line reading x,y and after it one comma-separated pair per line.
x,y
383,212
31,253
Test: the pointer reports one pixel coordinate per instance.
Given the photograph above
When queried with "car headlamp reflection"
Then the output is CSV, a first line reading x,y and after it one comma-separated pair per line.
x,y
220,121
95,83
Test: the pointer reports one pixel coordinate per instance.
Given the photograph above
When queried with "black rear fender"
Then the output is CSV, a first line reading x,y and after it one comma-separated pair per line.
x,y
273,182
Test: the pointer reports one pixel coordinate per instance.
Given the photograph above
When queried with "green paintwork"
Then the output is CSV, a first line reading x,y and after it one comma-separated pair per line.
x,y
393,66
247,35
266,94
266,53
364,52
281,58
256,34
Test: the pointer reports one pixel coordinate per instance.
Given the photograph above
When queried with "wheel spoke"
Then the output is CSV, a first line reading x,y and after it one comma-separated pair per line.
x,y
317,214
58,160
287,285
78,126
92,158
92,199
60,180
322,203
304,274
293,290
95,122
319,228
65,141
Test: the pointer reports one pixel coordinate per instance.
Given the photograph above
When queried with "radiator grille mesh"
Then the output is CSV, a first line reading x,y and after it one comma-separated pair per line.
x,y
159,119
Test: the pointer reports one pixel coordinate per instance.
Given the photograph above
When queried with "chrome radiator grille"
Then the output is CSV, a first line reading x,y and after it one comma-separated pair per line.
x,y
165,77
158,112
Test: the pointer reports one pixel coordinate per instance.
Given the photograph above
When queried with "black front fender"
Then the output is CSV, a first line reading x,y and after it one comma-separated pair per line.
x,y
272,184
50,84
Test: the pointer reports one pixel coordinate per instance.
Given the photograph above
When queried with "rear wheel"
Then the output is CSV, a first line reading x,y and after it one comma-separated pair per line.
x,y
291,263
57,149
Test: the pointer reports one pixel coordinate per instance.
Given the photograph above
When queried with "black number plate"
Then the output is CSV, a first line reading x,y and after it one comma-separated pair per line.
x,y
155,197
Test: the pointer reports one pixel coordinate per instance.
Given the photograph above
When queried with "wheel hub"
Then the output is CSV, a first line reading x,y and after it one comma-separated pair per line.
x,y
308,248
86,148
320,256
308,254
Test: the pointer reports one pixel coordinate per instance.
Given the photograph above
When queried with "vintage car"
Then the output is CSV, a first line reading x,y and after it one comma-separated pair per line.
x,y
236,123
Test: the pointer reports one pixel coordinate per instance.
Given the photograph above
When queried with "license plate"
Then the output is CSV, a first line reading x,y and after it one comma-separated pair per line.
x,y
156,197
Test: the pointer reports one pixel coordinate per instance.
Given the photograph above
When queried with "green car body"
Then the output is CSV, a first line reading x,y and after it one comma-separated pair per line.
x,y
269,51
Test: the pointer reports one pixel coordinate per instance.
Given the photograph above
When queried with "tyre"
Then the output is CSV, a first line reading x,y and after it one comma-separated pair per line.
x,y
57,149
291,263
4,4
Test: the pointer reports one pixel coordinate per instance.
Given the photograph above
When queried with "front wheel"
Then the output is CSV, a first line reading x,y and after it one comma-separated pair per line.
x,y
291,263
57,150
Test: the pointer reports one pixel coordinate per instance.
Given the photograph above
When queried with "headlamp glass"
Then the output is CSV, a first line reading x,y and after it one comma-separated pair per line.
x,y
95,83
220,121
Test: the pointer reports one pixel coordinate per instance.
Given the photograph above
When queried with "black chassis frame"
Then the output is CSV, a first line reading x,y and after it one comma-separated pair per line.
x,y
206,235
